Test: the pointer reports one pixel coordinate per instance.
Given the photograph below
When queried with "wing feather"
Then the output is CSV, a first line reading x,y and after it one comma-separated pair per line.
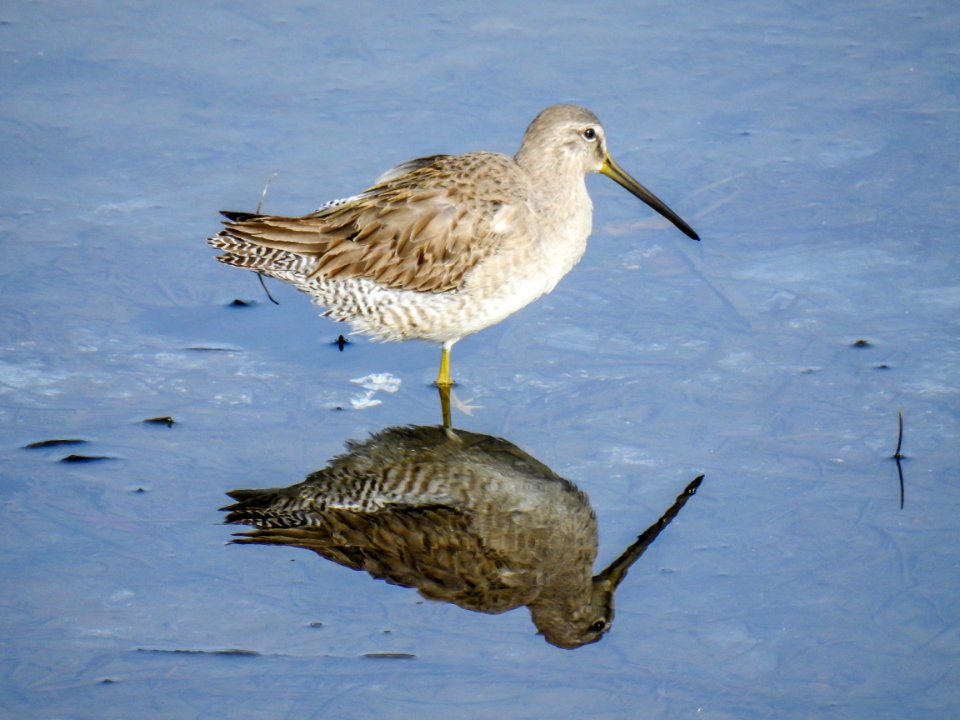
x,y
422,229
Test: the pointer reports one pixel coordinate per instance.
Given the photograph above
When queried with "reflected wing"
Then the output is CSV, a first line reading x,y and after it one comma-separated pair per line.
x,y
433,549
423,228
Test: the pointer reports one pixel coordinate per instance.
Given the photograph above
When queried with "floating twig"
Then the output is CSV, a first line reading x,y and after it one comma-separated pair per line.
x,y
264,286
53,443
263,193
263,196
898,456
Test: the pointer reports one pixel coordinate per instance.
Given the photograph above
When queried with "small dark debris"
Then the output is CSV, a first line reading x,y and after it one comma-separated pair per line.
x,y
387,632
139,490
882,366
107,681
338,408
237,302
745,133
861,343
316,624
52,443
389,656
341,342
235,651
228,651
201,348
162,420
84,458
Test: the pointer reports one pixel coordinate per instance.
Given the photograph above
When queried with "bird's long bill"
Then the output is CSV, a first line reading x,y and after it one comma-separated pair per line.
x,y
617,570
622,178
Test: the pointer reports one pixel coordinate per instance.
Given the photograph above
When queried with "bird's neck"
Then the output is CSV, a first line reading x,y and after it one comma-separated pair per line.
x,y
558,179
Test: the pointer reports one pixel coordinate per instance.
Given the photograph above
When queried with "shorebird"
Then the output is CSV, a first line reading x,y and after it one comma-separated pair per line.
x,y
444,246
463,517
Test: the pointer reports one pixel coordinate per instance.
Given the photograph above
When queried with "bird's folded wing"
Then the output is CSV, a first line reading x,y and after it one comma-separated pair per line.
x,y
422,230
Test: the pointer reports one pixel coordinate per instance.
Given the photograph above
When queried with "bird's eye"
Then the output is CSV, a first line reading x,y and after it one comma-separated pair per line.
x,y
598,626
589,134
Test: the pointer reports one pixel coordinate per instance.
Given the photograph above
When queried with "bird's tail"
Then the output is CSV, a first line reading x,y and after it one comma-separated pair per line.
x,y
267,508
241,249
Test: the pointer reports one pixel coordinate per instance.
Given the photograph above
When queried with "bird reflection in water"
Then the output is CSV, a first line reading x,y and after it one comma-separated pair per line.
x,y
464,518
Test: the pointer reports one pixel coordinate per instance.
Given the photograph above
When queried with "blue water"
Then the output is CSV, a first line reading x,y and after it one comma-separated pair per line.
x,y
815,149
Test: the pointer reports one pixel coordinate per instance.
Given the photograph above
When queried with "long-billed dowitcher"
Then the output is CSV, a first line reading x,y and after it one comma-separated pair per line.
x,y
447,245
465,518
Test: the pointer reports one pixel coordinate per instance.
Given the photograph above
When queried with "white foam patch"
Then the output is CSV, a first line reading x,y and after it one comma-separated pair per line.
x,y
374,383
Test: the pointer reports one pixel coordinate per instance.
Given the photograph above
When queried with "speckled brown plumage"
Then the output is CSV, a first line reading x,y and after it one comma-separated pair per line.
x,y
444,246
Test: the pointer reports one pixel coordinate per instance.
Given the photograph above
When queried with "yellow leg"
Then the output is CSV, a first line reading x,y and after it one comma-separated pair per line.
x,y
443,377
444,391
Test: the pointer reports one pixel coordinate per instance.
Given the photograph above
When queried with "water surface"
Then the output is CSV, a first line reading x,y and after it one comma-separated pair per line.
x,y
813,148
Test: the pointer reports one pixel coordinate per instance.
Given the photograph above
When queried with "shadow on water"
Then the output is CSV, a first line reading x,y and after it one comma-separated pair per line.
x,y
463,517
